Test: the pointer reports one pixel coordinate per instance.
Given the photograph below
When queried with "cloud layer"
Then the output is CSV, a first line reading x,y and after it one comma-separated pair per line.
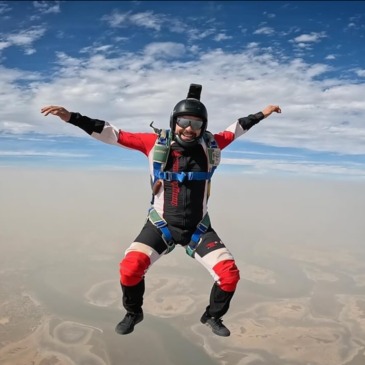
x,y
322,103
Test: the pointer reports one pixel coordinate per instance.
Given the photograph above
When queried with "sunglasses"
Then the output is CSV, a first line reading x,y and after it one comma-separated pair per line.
x,y
184,123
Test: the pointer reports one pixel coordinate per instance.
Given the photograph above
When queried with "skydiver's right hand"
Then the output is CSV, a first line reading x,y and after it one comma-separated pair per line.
x,y
59,111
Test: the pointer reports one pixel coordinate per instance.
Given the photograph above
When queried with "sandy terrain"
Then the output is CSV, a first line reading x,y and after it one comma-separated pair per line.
x,y
300,300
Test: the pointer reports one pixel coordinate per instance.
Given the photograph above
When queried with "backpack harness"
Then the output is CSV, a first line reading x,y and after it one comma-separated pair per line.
x,y
160,155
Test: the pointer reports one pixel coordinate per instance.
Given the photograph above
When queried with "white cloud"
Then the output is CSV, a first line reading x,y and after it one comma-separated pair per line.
x,y
138,88
150,20
47,7
116,19
106,48
313,37
160,49
4,8
4,44
29,51
330,57
360,72
355,23
147,19
24,38
269,15
16,127
264,30
177,26
221,37
198,34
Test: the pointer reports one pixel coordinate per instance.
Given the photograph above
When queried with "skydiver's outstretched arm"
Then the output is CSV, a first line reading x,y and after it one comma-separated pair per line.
x,y
252,119
271,109
59,111
98,129
104,131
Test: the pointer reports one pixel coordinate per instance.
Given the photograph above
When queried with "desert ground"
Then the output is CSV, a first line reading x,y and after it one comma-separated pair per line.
x,y
298,244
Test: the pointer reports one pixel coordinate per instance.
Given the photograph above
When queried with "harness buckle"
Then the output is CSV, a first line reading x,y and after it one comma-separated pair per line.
x,y
167,238
181,176
168,175
190,251
192,246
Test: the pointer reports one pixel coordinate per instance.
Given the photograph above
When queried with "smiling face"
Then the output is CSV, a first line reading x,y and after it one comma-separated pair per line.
x,y
187,134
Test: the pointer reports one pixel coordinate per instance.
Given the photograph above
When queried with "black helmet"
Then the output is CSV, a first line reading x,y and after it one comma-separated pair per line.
x,y
190,106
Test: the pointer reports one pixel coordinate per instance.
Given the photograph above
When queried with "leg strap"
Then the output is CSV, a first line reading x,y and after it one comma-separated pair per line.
x,y
201,228
161,224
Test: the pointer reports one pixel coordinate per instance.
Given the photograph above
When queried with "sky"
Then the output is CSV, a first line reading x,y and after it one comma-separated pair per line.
x,y
130,62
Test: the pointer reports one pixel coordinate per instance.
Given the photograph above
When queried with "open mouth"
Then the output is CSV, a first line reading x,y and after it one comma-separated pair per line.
x,y
185,136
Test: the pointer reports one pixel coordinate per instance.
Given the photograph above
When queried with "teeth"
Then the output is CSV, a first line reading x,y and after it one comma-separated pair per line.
x,y
188,135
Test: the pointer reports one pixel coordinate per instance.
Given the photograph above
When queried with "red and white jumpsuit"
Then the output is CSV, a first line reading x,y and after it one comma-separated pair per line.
x,y
182,206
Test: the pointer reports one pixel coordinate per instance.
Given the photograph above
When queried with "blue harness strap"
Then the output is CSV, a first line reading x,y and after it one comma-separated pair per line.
x,y
161,224
161,154
201,228
181,176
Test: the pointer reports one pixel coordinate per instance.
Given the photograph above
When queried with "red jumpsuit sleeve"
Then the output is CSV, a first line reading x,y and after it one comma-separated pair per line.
x,y
142,142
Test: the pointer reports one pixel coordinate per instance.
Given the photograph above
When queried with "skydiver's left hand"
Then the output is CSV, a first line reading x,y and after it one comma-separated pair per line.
x,y
59,111
271,109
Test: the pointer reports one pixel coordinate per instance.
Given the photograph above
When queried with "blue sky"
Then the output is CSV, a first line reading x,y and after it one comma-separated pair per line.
x,y
130,62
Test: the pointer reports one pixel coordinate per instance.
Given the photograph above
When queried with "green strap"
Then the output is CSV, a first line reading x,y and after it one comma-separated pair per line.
x,y
161,224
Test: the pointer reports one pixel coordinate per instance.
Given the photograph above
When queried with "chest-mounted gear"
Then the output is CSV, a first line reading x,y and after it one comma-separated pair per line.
x,y
161,153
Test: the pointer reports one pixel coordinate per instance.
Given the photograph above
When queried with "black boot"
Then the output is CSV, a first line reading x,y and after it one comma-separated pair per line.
x,y
126,325
215,324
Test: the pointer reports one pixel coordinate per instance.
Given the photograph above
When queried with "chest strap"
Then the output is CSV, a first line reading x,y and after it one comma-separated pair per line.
x,y
161,153
181,176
